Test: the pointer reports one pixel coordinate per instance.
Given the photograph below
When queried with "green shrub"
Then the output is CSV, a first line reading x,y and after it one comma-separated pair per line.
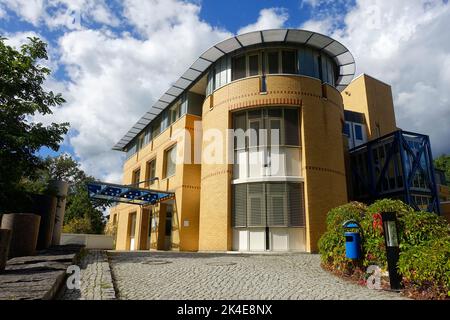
x,y
374,249
78,225
332,243
426,267
424,242
420,227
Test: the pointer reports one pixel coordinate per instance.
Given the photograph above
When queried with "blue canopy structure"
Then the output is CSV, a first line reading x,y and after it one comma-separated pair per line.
x,y
126,194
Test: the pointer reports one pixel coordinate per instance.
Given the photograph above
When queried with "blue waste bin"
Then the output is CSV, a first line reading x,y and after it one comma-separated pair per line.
x,y
352,245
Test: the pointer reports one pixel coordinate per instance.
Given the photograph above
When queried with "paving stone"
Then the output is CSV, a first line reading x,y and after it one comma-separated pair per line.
x,y
95,277
199,276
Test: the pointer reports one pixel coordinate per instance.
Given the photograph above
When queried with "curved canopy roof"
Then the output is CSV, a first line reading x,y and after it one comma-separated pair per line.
x,y
337,51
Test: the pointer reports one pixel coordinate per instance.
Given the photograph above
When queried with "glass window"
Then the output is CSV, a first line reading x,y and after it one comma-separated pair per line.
x,y
135,178
175,112
132,149
272,62
156,127
148,135
171,157
253,65
347,129
291,127
239,71
289,62
358,132
150,172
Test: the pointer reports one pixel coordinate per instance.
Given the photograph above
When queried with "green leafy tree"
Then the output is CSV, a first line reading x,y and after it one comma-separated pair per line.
x,y
79,208
443,163
22,96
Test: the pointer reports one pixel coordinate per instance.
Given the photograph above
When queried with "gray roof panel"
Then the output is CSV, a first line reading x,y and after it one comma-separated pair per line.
x,y
298,36
319,41
335,48
191,74
213,54
250,38
229,45
274,35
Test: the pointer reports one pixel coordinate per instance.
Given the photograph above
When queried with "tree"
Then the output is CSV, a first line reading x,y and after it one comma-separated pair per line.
x,y
81,213
443,163
22,96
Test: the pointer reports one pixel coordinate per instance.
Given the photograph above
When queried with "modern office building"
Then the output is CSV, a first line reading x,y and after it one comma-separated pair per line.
x,y
295,88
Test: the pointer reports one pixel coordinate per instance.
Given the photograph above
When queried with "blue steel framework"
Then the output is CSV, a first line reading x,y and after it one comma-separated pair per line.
x,y
398,165
126,194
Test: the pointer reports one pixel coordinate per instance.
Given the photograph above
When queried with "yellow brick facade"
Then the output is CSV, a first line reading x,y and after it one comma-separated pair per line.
x,y
203,201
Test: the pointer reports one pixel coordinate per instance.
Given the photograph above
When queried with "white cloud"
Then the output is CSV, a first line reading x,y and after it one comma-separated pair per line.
x,y
62,13
405,44
271,18
30,10
2,12
114,79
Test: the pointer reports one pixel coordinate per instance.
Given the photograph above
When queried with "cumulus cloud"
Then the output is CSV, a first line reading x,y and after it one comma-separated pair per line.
x,y
62,13
403,43
113,79
29,10
271,18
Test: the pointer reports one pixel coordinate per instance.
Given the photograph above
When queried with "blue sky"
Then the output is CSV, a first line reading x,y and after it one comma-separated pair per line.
x,y
111,59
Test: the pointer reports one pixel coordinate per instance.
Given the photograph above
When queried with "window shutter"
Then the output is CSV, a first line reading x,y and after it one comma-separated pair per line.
x,y
256,211
296,205
276,202
240,205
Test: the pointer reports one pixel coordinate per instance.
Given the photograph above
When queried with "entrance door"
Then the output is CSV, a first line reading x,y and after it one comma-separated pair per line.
x,y
132,231
168,229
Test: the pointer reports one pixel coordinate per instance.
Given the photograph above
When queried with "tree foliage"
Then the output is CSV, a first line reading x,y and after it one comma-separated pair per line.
x,y
79,208
443,163
22,96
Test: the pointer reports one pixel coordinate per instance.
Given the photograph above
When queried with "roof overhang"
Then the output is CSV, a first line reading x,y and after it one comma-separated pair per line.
x,y
126,194
337,51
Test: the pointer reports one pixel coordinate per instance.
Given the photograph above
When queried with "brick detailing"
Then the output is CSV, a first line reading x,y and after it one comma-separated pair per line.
x,y
324,170
217,173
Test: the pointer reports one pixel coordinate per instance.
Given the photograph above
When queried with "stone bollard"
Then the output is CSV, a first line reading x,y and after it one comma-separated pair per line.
x,y
61,189
24,233
5,240
45,207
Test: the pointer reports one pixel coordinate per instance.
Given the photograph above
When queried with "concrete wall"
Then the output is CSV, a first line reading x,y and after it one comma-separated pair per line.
x,y
91,241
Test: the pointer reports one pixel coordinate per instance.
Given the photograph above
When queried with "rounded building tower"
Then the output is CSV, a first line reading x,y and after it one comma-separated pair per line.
x,y
277,191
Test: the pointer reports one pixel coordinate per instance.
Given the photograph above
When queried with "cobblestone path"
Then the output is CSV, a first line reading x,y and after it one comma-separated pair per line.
x,y
173,275
96,281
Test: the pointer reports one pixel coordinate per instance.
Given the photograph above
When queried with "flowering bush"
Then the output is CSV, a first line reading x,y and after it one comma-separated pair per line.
x,y
420,233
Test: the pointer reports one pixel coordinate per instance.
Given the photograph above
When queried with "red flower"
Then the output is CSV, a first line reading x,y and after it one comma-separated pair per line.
x,y
377,222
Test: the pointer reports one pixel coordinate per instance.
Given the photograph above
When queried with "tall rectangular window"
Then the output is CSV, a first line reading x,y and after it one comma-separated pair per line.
x,y
239,67
291,127
150,172
136,176
253,65
272,62
156,127
358,132
289,62
170,161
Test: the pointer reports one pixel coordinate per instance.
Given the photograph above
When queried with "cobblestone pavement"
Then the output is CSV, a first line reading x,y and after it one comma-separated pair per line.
x,y
96,281
173,275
